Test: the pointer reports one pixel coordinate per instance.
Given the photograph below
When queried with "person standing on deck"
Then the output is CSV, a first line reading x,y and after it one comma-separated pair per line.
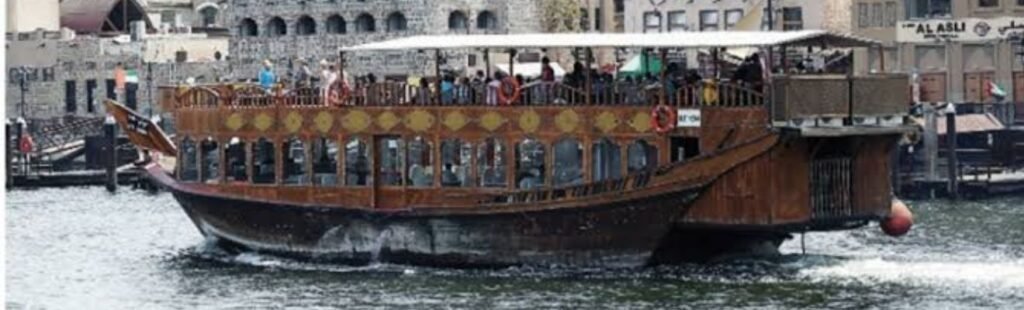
x,y
547,79
328,77
267,77
492,88
303,77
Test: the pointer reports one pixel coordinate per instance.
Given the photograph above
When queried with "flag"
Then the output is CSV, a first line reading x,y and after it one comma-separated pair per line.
x,y
995,92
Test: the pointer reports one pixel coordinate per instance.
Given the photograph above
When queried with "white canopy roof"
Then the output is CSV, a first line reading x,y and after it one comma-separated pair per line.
x,y
638,40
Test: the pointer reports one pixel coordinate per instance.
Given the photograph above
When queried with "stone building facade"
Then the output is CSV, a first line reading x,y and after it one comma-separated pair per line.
x,y
286,30
947,70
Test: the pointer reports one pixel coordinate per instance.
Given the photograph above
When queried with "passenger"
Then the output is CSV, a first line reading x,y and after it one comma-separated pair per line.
x,y
267,77
479,77
303,76
755,73
492,88
547,73
462,90
448,90
328,76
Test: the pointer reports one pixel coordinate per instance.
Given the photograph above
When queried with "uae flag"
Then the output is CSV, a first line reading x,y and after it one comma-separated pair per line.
x,y
996,92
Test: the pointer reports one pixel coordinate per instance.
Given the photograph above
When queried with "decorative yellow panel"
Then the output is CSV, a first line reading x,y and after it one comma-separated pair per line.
x,y
606,122
419,120
641,122
323,121
387,120
455,120
292,122
492,121
529,121
567,120
356,121
263,122
235,121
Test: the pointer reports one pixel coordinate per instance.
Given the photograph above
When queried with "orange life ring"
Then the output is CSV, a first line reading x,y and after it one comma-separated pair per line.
x,y
508,99
663,118
338,93
26,144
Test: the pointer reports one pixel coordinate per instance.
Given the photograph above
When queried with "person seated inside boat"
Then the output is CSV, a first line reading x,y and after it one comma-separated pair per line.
x,y
419,176
449,177
530,179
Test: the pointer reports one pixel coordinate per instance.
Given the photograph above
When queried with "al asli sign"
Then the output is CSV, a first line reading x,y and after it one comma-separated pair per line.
x,y
959,30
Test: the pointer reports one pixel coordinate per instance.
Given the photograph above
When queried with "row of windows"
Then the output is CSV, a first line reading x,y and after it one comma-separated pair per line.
x,y
410,162
364,23
713,20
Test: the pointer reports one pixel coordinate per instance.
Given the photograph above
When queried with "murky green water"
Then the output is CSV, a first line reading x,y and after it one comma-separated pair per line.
x,y
84,249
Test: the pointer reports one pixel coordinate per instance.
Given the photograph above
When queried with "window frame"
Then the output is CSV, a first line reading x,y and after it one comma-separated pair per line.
x,y
647,27
672,25
704,24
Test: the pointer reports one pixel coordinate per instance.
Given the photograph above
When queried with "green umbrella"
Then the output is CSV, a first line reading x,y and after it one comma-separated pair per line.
x,y
635,67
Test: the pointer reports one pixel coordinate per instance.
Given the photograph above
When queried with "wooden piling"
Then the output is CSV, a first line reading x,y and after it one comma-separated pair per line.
x,y
952,175
110,133
8,161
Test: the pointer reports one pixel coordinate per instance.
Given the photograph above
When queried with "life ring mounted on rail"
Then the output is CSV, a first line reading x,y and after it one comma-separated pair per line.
x,y
511,85
663,118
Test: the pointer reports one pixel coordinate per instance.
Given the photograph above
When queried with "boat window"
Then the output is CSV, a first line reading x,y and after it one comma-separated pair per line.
x,y
390,153
642,155
235,154
568,162
530,164
455,160
325,162
263,161
490,161
607,160
189,168
357,163
210,161
294,172
421,163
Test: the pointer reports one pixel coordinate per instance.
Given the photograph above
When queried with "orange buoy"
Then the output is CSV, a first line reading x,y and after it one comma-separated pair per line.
x,y
899,220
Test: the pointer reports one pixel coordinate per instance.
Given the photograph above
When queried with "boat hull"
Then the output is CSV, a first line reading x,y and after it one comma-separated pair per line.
x,y
624,234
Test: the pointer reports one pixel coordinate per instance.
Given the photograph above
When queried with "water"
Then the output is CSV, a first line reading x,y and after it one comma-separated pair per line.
x,y
84,249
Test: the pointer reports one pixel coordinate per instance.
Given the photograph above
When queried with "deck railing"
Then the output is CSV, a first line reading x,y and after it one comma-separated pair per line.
x,y
702,94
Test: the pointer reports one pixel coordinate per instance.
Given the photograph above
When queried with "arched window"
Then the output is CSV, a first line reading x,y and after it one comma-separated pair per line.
x,y
305,26
568,169
530,166
248,28
396,22
235,154
606,163
490,162
366,23
336,24
294,170
487,21
276,27
455,162
357,163
421,163
208,15
325,162
189,156
209,161
263,162
642,155
391,154
457,21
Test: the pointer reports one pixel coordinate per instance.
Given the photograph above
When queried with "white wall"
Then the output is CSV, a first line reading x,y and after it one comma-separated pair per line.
x,y
29,15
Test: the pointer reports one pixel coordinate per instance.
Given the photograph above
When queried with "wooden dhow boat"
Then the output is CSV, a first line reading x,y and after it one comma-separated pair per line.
x,y
544,173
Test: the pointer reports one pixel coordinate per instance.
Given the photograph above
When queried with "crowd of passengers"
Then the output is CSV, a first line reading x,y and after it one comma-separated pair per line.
x,y
479,88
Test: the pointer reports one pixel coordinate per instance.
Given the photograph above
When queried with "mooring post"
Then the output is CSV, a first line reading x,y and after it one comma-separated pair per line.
x,y
951,150
110,133
20,126
931,145
8,161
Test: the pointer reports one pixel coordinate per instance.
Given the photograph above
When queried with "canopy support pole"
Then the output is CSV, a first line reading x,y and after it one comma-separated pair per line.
x,y
881,58
487,62
664,82
590,80
437,76
341,67
511,62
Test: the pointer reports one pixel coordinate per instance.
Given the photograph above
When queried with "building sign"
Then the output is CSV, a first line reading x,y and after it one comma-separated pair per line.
x,y
959,30
688,118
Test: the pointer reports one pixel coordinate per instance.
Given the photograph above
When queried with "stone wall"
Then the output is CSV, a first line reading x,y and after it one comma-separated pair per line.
x,y
422,17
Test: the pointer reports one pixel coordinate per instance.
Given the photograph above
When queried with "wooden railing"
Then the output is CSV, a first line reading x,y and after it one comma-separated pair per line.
x,y
704,94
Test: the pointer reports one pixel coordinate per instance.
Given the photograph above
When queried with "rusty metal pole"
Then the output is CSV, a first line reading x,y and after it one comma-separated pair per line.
x,y
110,133
954,191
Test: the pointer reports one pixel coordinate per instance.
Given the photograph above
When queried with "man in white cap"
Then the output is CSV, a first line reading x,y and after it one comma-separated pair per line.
x,y
267,77
327,79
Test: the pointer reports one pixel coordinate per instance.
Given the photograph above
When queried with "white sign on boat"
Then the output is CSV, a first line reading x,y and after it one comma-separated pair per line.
x,y
688,118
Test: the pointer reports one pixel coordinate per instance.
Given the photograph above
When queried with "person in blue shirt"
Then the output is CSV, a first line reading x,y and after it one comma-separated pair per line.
x,y
448,89
267,77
